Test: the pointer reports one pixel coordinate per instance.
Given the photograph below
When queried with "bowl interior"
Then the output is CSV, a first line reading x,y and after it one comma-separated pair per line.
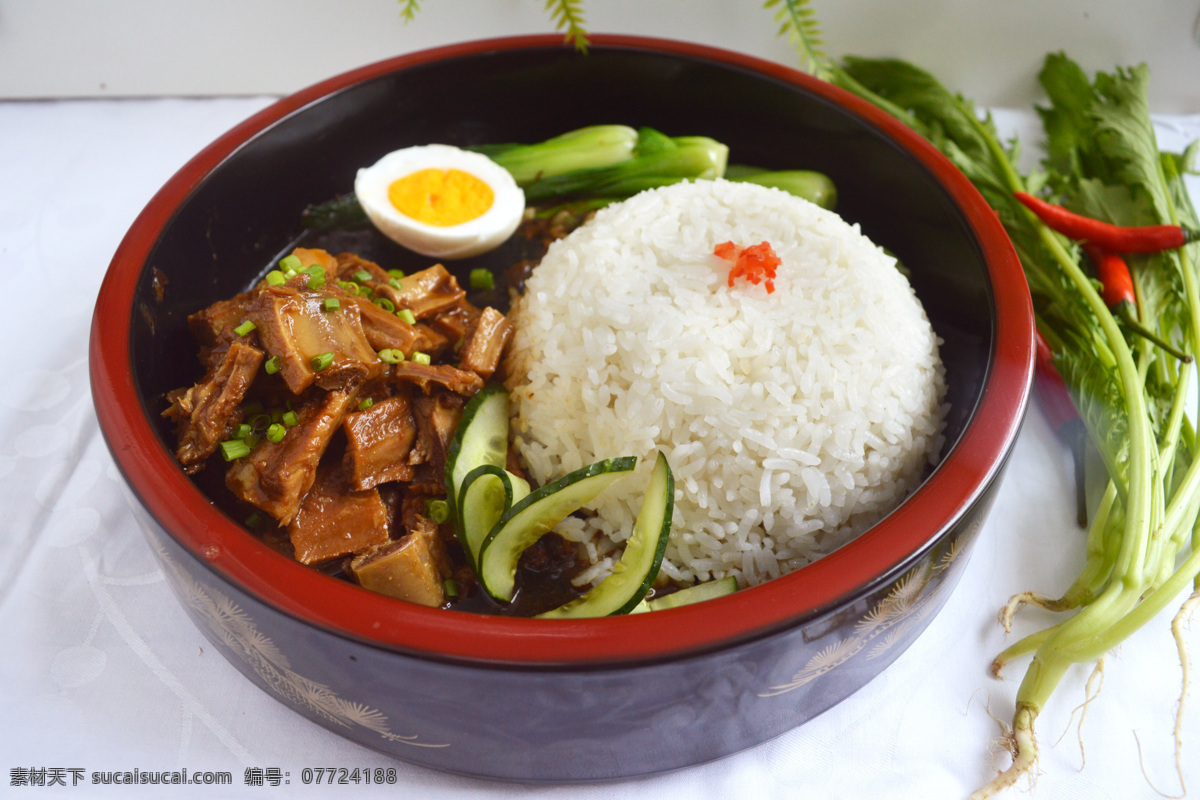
x,y
236,218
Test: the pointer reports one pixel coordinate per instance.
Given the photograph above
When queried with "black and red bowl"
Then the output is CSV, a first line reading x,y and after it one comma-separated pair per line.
x,y
586,700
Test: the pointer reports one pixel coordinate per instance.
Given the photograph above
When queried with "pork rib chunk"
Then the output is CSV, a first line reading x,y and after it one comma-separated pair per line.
x,y
277,475
378,441
335,520
206,413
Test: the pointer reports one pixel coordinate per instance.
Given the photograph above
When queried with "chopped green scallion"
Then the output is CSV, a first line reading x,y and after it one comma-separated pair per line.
x,y
421,358
482,278
242,431
450,586
385,304
259,422
332,304
316,281
290,263
363,405
234,449
275,278
438,510
407,315
391,356
397,274
362,276
322,361
395,283
244,328
289,419
276,432
272,365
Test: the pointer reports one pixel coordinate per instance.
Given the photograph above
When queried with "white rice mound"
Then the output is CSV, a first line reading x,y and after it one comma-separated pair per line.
x,y
792,420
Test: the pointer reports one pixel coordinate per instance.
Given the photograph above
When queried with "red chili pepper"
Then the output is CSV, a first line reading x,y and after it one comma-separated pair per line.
x,y
1116,281
1116,288
727,250
756,263
1114,238
1060,410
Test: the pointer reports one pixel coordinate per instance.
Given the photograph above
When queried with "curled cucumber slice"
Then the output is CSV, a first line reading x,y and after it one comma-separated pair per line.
x,y
481,439
537,514
622,592
486,493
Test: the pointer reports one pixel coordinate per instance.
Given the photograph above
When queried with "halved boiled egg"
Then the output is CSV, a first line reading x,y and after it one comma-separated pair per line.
x,y
440,201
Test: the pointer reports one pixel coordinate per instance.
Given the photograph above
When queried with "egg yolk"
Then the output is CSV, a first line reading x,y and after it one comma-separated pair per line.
x,y
441,197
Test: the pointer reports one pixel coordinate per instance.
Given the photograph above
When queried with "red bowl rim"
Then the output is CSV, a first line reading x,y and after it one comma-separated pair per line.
x,y
289,587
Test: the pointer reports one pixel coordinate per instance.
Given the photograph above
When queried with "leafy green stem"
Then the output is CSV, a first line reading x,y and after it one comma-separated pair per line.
x,y
1141,436
1102,546
1153,603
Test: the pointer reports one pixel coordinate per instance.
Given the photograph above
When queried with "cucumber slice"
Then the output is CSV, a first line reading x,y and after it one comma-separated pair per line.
x,y
622,591
536,515
694,594
481,438
486,493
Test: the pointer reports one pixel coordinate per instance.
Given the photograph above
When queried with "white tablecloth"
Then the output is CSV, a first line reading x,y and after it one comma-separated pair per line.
x,y
100,671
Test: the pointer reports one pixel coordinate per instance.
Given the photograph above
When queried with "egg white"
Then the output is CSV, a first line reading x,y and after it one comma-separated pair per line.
x,y
470,238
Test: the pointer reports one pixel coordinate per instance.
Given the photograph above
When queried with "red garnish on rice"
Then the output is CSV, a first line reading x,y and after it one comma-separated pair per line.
x,y
756,264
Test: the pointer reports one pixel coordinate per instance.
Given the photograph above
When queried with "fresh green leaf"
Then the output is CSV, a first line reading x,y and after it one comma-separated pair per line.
x,y
409,9
799,25
652,142
1067,119
1102,149
567,16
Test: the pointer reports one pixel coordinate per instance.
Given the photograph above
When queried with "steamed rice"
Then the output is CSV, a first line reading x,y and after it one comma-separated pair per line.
x,y
792,420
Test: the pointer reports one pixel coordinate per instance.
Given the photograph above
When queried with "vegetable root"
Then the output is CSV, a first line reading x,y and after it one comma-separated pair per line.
x,y
1181,620
1022,743
1021,599
1091,690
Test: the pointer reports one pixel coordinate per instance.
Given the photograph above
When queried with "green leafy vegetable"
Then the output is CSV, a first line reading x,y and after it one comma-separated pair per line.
x,y
816,187
584,148
660,162
342,211
1102,160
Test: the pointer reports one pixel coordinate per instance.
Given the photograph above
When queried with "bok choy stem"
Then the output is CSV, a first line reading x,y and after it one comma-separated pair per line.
x,y
584,148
